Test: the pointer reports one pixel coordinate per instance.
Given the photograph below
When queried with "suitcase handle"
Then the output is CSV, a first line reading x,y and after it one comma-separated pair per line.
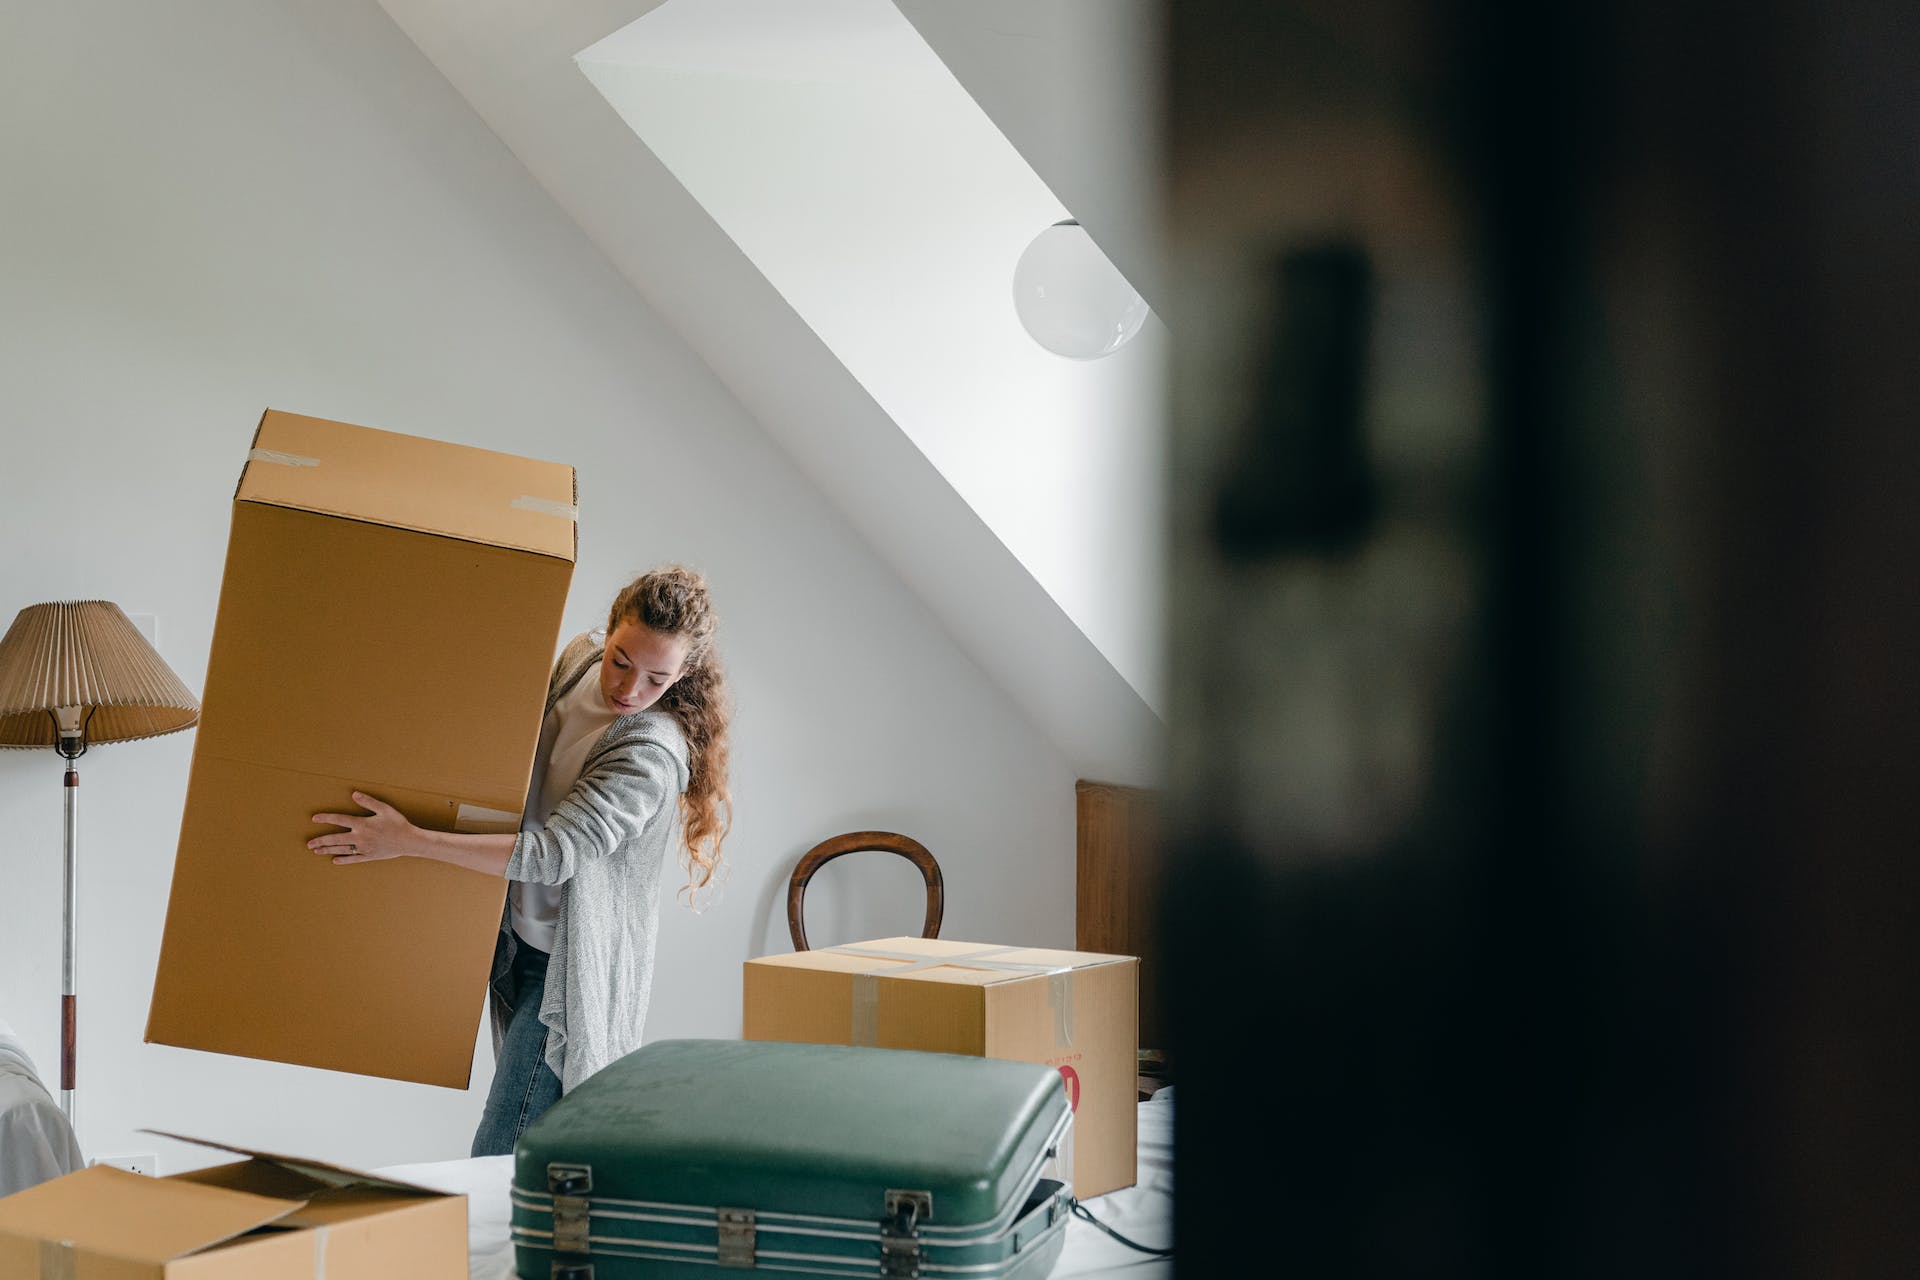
x,y
864,842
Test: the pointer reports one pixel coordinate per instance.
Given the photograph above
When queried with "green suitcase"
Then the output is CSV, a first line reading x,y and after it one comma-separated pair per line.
x,y
816,1160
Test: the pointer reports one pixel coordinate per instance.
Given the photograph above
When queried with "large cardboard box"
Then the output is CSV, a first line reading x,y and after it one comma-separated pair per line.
x,y
387,622
1073,1010
265,1218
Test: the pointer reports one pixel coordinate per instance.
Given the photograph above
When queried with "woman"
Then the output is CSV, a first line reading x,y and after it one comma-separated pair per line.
x,y
635,738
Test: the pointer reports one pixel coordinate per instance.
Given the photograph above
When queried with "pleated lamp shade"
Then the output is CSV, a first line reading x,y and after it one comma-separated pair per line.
x,y
87,654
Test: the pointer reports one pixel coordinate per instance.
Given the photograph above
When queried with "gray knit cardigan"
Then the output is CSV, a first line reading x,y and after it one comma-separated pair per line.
x,y
607,843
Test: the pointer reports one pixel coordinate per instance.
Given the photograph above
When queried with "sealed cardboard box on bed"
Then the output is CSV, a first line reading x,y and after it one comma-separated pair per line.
x,y
267,1217
387,621
1072,1010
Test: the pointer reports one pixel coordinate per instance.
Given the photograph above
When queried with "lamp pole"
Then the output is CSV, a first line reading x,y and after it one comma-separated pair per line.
x,y
69,1009
72,729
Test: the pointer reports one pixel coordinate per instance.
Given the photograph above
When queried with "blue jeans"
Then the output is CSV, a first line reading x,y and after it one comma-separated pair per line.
x,y
524,1085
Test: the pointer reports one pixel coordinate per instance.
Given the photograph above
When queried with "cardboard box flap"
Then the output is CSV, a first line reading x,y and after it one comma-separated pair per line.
x,y
124,1215
332,1175
405,482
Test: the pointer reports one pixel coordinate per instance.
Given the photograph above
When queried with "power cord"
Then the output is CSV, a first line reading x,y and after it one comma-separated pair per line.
x,y
1081,1212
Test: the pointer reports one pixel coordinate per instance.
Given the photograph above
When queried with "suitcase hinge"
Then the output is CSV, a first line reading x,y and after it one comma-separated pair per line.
x,y
900,1232
736,1237
569,1184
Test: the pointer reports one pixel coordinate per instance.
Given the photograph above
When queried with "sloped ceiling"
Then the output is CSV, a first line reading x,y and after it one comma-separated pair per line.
x,y
514,64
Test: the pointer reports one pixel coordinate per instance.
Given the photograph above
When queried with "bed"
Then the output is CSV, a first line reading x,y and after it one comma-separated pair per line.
x,y
1143,1212
36,1142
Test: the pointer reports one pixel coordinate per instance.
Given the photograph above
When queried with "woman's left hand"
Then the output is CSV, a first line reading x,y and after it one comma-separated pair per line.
x,y
372,837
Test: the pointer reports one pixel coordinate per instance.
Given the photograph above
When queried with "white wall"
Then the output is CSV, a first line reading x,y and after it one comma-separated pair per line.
x,y
211,208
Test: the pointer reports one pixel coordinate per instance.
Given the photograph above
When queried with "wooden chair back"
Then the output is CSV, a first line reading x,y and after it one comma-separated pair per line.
x,y
864,842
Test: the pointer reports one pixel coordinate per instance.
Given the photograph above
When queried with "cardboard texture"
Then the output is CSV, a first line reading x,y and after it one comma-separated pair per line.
x,y
1072,1010
267,1217
387,622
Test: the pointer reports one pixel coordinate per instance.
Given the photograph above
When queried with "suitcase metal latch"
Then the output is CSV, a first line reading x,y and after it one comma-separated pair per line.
x,y
900,1232
569,1185
736,1237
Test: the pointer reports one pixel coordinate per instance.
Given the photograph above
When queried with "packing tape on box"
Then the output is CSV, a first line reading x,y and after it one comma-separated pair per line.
x,y
58,1260
478,820
917,961
282,459
866,986
1060,996
865,1029
547,506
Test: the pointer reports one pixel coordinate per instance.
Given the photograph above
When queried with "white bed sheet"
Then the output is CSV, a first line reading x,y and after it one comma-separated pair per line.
x,y
36,1142
1143,1212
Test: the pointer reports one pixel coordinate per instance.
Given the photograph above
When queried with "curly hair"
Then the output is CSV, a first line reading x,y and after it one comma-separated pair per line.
x,y
673,600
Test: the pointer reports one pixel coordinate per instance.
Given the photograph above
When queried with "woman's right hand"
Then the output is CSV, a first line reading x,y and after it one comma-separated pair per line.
x,y
375,836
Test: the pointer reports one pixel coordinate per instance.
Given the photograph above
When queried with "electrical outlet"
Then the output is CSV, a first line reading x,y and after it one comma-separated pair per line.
x,y
141,1162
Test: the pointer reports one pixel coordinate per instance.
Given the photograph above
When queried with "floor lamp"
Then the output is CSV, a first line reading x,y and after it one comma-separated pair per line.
x,y
72,674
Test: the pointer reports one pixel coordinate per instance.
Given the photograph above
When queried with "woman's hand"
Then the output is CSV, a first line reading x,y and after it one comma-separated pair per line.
x,y
373,837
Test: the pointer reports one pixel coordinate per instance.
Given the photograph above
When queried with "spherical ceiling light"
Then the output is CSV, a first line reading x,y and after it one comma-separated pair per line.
x,y
1072,300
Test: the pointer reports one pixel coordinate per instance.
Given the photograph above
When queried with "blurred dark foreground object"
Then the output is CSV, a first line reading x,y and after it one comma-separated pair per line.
x,y
1545,734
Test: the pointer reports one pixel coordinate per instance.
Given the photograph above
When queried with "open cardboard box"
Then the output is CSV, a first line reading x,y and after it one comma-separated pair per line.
x,y
268,1217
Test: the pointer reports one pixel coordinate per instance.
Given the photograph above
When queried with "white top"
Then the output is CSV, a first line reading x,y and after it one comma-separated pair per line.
x,y
577,721
36,1142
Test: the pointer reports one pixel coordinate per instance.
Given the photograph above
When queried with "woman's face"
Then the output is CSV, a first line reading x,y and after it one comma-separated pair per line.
x,y
640,665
